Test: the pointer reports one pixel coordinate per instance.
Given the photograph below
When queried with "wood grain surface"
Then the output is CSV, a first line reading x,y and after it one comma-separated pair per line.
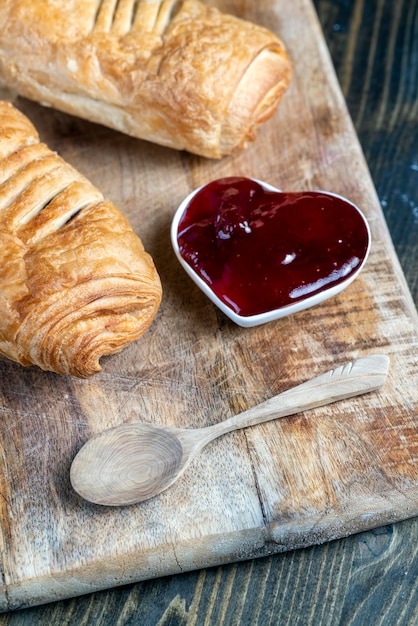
x,y
348,581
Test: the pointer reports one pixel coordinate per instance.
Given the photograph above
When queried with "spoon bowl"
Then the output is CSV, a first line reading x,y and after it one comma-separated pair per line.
x,y
128,462
131,463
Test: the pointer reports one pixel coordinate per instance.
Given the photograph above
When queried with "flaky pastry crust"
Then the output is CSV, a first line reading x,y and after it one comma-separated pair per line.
x,y
75,281
174,72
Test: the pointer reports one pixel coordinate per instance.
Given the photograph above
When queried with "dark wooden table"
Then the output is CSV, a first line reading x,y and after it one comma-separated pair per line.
x,y
369,578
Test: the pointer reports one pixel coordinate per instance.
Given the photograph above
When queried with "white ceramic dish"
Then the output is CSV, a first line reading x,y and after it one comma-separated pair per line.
x,y
263,318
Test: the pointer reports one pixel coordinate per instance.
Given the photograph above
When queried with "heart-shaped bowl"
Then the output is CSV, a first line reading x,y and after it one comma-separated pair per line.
x,y
261,254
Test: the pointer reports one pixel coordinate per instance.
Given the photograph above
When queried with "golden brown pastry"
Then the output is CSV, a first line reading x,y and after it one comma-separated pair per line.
x,y
75,281
176,73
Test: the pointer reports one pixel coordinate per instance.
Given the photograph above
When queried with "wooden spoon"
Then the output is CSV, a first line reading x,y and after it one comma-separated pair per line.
x,y
133,462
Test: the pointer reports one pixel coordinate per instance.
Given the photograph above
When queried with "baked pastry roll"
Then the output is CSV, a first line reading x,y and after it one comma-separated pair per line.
x,y
75,281
176,73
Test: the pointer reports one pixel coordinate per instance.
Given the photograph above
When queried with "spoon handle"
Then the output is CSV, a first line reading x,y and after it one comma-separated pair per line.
x,y
355,378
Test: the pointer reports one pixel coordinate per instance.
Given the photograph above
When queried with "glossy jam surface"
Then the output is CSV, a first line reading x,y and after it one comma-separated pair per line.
x,y
262,250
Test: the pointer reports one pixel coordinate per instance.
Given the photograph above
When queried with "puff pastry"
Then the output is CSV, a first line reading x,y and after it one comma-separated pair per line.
x,y
174,72
75,281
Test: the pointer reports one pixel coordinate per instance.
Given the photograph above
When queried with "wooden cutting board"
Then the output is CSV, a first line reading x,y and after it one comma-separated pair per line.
x,y
286,484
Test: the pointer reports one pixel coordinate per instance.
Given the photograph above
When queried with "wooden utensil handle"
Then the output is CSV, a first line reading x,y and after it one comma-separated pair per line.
x,y
361,376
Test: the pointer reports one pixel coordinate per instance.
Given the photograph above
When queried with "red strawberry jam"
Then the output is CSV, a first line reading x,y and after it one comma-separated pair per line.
x,y
261,250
